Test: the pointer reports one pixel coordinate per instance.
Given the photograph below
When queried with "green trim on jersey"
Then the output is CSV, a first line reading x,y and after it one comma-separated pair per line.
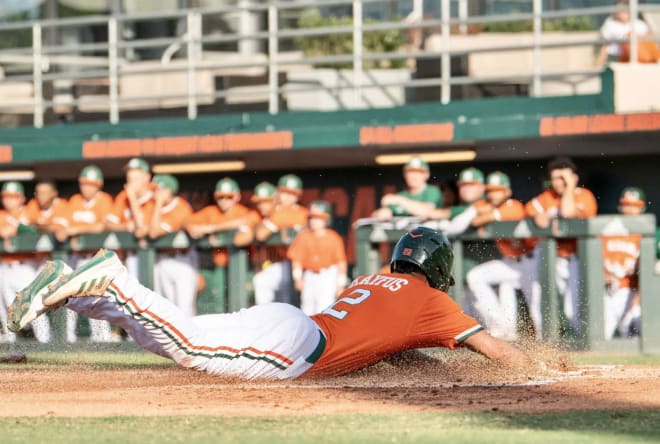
x,y
318,351
430,194
467,333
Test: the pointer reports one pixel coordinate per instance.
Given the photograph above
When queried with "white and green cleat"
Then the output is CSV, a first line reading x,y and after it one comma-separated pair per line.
x,y
29,302
91,279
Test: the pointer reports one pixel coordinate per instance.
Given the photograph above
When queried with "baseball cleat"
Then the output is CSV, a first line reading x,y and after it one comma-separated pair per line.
x,y
29,304
89,280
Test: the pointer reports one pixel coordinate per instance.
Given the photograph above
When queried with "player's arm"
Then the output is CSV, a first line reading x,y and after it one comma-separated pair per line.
x,y
498,350
413,207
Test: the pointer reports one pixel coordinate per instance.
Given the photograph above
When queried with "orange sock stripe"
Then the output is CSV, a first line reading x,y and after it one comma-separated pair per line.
x,y
186,341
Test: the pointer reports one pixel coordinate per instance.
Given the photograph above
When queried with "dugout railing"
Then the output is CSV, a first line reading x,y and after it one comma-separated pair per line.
x,y
236,277
588,232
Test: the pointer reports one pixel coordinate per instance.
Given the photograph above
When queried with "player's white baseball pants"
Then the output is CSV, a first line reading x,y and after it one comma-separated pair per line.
x,y
319,290
500,311
616,304
175,277
273,341
273,284
14,276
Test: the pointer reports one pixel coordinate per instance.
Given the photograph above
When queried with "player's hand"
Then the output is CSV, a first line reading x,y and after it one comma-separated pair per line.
x,y
383,214
570,178
390,199
161,196
542,220
141,232
196,231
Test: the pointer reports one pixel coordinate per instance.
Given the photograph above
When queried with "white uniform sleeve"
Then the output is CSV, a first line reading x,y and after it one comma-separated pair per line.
x,y
461,223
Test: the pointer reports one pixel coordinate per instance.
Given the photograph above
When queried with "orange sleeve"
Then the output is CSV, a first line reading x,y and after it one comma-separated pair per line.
x,y
175,220
586,204
119,207
61,214
511,210
535,206
202,216
340,249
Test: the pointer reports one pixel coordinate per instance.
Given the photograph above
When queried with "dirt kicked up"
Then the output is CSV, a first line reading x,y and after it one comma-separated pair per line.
x,y
458,384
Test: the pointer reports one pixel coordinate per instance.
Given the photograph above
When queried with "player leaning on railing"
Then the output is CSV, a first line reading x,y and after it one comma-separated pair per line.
x,y
377,316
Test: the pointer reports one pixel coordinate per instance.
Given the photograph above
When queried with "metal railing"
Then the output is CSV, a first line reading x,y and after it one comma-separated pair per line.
x,y
111,68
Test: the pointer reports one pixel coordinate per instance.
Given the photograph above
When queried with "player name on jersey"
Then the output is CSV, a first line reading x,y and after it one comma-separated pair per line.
x,y
389,282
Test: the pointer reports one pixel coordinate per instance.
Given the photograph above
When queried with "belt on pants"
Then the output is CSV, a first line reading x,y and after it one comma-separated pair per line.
x,y
318,351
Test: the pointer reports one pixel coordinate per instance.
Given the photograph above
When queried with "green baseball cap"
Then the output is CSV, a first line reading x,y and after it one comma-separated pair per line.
x,y
320,209
226,186
290,183
497,180
166,181
13,188
137,163
633,196
416,163
263,191
91,174
471,175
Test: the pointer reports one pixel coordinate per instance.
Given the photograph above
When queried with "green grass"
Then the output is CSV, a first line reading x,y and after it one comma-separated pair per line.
x,y
620,359
492,428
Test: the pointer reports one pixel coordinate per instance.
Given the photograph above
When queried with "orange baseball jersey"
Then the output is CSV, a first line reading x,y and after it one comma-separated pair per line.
x,y
549,203
212,214
380,314
84,212
121,209
174,215
620,255
317,251
57,214
510,210
14,219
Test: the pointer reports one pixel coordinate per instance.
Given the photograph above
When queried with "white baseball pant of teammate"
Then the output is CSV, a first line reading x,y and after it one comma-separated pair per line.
x,y
567,279
273,284
14,276
319,290
175,277
615,306
99,330
274,341
500,311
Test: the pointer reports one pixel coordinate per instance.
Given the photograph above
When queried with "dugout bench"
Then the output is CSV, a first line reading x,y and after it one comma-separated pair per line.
x,y
369,238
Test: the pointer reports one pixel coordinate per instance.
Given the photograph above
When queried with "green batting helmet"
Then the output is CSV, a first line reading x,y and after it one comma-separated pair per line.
x,y
427,250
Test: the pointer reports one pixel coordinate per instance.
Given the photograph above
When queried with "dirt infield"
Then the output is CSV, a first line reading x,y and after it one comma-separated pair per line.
x,y
456,386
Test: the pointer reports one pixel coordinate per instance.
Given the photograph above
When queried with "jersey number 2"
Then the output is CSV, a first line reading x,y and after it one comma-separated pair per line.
x,y
341,314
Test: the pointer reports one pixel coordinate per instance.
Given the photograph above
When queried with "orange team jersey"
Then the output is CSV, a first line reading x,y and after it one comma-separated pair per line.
x,y
121,208
212,214
620,255
175,214
317,251
57,214
14,219
549,202
381,314
84,212
510,210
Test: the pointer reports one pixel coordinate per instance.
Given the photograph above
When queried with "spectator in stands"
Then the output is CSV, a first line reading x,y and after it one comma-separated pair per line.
x,y
175,272
565,199
318,261
418,199
133,207
227,214
17,269
514,271
619,26
86,214
621,267
273,281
